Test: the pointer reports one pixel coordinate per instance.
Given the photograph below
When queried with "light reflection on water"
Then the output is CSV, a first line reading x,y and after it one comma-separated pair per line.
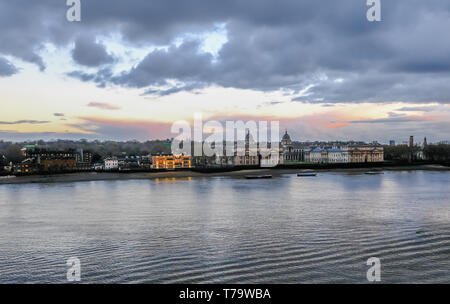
x,y
232,230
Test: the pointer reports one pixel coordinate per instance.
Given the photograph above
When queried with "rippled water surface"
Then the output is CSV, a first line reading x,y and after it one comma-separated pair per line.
x,y
231,230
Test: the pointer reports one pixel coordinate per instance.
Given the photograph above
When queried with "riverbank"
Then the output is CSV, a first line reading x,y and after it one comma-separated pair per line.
x,y
104,176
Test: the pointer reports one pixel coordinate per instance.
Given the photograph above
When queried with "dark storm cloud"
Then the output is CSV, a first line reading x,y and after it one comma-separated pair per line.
x,y
183,62
284,44
90,53
7,68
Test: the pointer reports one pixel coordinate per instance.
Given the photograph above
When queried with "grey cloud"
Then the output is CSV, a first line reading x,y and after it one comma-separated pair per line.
x,y
18,122
419,109
83,76
25,26
293,44
90,53
173,90
58,114
7,68
377,87
184,63
100,78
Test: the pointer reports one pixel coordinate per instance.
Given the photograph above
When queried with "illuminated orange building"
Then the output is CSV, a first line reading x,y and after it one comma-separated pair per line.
x,y
171,162
365,154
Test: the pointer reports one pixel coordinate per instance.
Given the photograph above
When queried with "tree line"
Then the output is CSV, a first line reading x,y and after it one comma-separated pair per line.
x,y
432,152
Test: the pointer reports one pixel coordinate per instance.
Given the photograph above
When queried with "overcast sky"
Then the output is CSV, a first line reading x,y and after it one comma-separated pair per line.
x,y
130,69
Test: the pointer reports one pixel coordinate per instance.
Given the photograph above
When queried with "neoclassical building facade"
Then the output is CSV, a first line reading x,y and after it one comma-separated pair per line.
x,y
330,153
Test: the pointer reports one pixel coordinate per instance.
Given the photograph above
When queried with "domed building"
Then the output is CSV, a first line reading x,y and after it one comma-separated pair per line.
x,y
290,153
286,142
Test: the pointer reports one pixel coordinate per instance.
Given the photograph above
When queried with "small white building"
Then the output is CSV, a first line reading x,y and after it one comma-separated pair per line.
x,y
332,155
111,163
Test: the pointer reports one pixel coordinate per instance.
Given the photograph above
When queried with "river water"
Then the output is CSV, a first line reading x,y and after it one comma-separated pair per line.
x,y
287,229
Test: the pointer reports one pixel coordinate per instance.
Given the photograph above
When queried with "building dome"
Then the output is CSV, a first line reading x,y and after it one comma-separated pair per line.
x,y
286,142
286,137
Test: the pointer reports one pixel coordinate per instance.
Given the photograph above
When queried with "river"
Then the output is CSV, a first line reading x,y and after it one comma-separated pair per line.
x,y
287,229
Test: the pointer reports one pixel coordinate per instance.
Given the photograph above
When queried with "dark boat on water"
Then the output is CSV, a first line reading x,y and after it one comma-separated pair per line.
x,y
257,176
307,173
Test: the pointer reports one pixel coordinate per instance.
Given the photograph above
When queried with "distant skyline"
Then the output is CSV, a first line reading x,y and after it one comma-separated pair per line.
x,y
23,137
130,69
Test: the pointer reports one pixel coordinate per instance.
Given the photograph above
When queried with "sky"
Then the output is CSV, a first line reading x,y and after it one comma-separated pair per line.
x,y
130,69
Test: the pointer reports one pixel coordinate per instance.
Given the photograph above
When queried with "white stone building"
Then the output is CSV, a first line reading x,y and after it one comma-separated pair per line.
x,y
337,155
315,155
111,163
